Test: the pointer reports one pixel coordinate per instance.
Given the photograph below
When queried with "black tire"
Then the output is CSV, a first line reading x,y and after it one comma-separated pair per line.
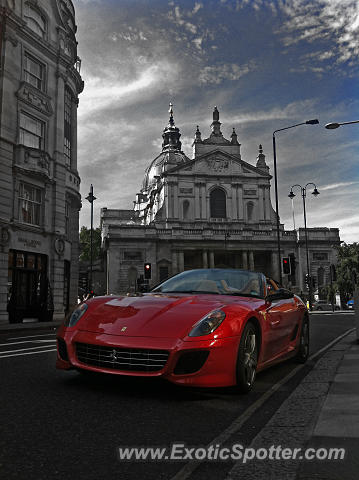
x,y
247,359
319,308
303,351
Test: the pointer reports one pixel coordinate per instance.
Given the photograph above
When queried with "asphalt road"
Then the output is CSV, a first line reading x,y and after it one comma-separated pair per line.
x,y
63,425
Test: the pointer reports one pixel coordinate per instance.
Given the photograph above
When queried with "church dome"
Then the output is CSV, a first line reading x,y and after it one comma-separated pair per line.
x,y
171,154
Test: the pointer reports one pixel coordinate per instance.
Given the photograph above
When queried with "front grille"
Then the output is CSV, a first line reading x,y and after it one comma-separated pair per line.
x,y
115,358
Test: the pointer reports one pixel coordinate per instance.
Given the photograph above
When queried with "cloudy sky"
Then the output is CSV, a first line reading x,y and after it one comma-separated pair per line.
x,y
266,64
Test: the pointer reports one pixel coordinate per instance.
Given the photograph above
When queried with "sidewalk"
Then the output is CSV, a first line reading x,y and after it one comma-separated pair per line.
x,y
322,412
338,423
28,325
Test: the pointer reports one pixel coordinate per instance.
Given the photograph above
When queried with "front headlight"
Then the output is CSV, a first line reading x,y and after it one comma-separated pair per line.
x,y
208,324
75,316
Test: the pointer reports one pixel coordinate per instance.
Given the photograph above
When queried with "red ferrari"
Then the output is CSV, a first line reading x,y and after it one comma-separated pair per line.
x,y
207,327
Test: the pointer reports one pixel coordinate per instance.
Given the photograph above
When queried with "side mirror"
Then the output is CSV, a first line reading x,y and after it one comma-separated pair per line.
x,y
280,294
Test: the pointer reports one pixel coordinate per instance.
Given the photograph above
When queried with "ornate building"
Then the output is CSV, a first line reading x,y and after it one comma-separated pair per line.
x,y
213,210
39,183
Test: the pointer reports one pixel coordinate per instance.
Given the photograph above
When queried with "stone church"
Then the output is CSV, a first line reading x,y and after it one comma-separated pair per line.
x,y
213,210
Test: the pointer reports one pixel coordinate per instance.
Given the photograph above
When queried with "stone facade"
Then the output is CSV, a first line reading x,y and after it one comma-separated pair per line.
x,y
213,210
39,183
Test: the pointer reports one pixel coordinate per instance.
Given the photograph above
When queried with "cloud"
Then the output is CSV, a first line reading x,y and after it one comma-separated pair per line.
x,y
335,20
104,92
227,71
338,185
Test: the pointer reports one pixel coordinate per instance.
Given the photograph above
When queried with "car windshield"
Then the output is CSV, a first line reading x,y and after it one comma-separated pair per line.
x,y
215,281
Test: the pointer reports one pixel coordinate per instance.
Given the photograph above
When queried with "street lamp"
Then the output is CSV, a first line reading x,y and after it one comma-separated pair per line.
x,y
91,198
303,191
333,125
308,122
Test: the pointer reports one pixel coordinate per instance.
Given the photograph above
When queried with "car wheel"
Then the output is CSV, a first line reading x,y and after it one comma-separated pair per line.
x,y
303,351
319,308
247,358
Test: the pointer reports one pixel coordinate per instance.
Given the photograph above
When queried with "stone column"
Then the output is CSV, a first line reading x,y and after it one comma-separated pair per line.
x,y
267,203
260,203
240,202
181,261
203,202
197,209
244,260
175,201
234,210
251,261
211,259
167,200
205,259
174,262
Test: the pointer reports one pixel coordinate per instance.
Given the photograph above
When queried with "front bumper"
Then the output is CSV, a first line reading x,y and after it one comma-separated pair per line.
x,y
217,369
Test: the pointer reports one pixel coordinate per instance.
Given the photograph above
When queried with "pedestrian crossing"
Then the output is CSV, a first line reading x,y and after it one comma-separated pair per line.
x,y
27,345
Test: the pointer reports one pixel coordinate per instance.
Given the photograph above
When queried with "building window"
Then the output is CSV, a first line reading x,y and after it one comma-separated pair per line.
x,y
250,210
68,127
30,204
32,132
217,202
34,72
185,210
35,20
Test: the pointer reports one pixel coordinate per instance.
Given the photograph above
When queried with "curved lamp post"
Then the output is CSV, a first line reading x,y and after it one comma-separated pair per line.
x,y
333,125
308,122
91,198
303,192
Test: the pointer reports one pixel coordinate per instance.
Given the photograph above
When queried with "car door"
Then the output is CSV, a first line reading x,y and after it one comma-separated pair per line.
x,y
281,320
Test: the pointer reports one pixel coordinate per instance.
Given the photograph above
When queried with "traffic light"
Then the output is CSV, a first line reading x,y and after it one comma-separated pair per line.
x,y
307,279
286,266
147,271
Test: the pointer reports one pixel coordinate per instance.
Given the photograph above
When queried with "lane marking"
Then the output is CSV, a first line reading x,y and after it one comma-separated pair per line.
x,y
27,341
33,336
190,467
25,349
28,353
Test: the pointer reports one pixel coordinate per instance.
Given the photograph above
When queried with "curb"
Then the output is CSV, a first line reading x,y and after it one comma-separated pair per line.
x,y
29,326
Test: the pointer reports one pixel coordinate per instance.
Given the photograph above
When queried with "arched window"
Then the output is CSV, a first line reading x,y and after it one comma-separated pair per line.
x,y
185,210
250,211
320,275
35,20
217,201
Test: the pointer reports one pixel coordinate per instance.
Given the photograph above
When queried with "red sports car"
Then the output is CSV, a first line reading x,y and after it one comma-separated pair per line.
x,y
206,327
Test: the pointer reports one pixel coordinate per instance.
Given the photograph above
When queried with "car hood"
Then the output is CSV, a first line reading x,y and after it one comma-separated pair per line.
x,y
151,315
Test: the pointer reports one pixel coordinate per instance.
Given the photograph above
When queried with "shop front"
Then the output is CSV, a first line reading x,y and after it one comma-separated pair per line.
x,y
29,291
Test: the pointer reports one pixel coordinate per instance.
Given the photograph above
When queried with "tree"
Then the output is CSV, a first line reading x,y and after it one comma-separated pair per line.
x,y
85,244
347,269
